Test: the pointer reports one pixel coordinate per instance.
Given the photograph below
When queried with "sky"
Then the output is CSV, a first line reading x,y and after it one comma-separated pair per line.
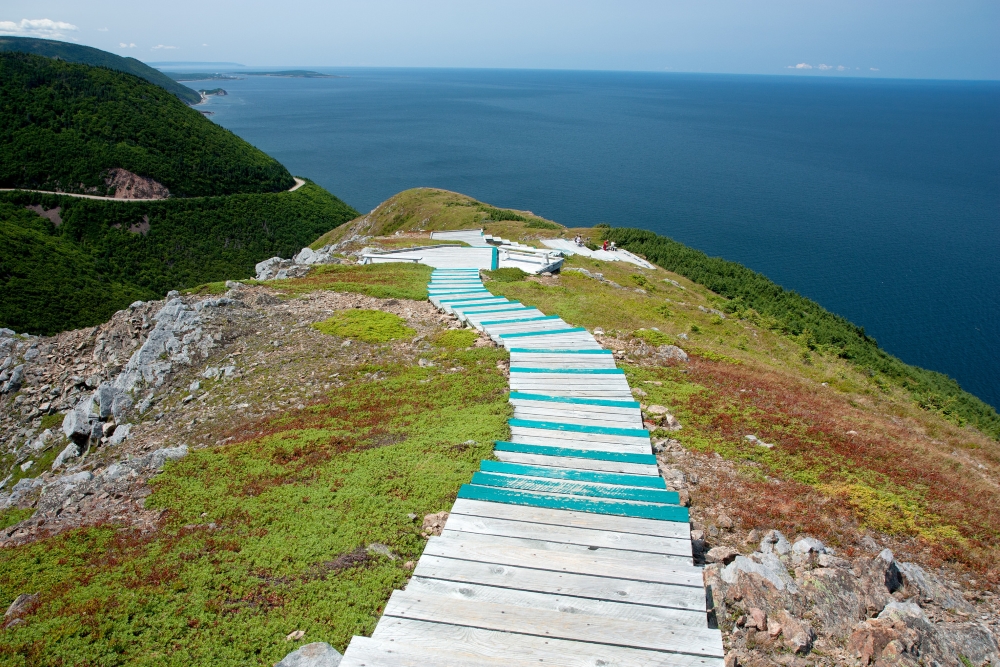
x,y
944,39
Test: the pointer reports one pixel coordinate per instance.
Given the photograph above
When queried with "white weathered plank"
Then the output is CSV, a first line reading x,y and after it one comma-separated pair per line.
x,y
567,604
501,648
545,623
565,558
570,518
569,535
580,444
534,412
641,441
689,598
574,463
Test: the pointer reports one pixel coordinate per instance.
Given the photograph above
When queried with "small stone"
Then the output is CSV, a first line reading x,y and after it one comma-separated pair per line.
x,y
434,523
732,659
684,498
20,605
412,516
317,654
808,544
381,550
194,386
295,636
758,619
409,565
724,522
656,409
638,392
346,343
725,555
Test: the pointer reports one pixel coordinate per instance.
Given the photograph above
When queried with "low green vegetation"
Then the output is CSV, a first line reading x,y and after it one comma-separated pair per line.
x,y
653,336
13,515
370,326
270,533
63,126
507,275
92,264
88,55
455,338
753,297
396,280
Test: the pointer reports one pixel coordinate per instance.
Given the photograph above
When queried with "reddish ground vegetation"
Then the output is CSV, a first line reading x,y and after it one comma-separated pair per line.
x,y
948,513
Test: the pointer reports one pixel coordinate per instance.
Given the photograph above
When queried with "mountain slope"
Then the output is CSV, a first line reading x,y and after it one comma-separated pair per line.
x,y
88,55
139,250
65,126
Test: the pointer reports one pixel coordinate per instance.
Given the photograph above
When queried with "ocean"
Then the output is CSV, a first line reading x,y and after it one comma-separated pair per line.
x,y
879,199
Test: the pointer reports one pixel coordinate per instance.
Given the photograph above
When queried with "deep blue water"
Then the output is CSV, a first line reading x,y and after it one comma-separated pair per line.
x,y
879,199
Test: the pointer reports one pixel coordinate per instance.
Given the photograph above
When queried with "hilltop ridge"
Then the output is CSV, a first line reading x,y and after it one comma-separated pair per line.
x,y
88,55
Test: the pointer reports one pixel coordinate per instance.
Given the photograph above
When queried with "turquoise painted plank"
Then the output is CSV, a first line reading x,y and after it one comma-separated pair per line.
x,y
551,332
609,507
499,308
523,319
575,401
572,371
530,350
548,450
454,290
578,428
576,475
473,299
574,488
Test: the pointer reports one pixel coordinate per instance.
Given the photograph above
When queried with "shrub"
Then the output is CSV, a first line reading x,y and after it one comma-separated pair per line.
x,y
541,224
653,337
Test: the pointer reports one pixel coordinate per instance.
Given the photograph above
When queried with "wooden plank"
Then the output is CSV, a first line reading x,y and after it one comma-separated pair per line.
x,y
544,623
577,416
691,598
584,445
578,475
578,504
573,401
574,519
571,535
580,429
561,332
567,604
577,463
430,640
558,557
572,487
528,448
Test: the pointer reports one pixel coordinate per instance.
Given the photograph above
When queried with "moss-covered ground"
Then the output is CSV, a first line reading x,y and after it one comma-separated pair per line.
x,y
370,326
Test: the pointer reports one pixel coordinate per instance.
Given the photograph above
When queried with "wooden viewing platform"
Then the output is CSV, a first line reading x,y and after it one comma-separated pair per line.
x,y
568,550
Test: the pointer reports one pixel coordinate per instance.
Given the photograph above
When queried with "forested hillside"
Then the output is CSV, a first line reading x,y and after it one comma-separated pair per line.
x,y
65,126
104,255
88,55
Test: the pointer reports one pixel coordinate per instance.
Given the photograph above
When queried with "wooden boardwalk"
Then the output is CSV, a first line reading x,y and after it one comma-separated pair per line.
x,y
568,550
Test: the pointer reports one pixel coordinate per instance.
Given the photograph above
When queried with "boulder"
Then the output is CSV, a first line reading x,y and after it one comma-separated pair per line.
x,y
77,425
71,451
14,383
158,458
929,588
317,654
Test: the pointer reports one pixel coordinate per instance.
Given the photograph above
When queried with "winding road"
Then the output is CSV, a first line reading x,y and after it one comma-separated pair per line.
x,y
298,184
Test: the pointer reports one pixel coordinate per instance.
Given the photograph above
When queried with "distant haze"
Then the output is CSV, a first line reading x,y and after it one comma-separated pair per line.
x,y
910,39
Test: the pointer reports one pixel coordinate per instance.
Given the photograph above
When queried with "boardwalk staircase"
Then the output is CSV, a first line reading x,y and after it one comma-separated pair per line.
x,y
568,550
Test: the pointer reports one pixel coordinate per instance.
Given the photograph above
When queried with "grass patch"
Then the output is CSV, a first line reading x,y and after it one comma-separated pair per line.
x,y
295,501
456,338
54,420
370,326
397,280
13,515
508,275
653,337
542,224
207,289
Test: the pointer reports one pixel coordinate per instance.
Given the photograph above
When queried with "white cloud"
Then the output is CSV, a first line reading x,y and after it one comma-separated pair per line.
x,y
163,46
826,67
204,44
130,45
102,30
840,68
874,69
46,28
800,66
